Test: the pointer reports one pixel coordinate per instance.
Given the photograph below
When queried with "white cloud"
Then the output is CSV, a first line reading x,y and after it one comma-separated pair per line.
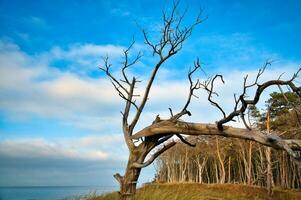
x,y
96,141
86,50
29,86
91,147
84,58
40,148
174,94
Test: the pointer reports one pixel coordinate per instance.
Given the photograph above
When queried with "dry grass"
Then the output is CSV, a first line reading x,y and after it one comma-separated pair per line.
x,y
192,191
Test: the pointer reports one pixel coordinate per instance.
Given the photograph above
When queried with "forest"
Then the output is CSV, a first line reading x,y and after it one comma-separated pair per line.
x,y
227,160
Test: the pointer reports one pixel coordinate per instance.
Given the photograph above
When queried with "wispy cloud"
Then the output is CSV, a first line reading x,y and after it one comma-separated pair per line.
x,y
40,148
86,50
36,22
93,147
30,86
120,12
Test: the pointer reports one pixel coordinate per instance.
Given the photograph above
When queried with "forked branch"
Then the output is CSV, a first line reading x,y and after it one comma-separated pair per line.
x,y
241,104
127,63
192,88
172,38
209,87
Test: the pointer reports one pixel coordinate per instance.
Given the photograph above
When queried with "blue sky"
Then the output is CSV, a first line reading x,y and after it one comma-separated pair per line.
x,y
59,117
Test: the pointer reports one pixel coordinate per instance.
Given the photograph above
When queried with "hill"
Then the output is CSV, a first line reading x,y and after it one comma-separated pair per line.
x,y
193,191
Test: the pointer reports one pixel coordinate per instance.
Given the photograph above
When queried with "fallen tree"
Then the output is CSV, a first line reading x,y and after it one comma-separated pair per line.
x,y
158,137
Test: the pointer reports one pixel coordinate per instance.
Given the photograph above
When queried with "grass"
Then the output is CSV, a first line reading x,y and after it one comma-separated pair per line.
x,y
193,191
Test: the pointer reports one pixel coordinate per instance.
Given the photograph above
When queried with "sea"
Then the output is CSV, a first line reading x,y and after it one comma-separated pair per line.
x,y
52,192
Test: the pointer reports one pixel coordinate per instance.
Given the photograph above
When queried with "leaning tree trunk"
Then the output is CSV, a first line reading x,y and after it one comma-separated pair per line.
x,y
136,162
129,181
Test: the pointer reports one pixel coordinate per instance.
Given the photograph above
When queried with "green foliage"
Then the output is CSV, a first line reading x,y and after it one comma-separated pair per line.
x,y
281,104
285,113
254,112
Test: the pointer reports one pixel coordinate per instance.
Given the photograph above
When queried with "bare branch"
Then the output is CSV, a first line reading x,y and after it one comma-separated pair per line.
x,y
209,87
127,63
242,116
157,140
192,88
170,43
171,113
155,155
260,88
116,83
163,139
260,72
118,177
185,141
123,92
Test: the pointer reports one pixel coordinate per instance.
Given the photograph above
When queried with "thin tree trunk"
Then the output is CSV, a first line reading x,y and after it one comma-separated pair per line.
x,y
229,170
269,162
250,163
221,161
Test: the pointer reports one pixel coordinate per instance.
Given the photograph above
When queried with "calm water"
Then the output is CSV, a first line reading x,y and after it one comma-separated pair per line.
x,y
49,193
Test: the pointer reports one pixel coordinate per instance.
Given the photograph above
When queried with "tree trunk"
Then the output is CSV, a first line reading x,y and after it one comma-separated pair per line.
x,y
249,176
269,171
229,170
269,162
221,162
128,182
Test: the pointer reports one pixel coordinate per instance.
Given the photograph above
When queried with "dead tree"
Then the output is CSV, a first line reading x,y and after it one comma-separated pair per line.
x,y
147,144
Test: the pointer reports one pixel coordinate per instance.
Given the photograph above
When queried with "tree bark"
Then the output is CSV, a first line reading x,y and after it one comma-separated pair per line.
x,y
187,128
250,164
269,161
221,162
128,182
269,171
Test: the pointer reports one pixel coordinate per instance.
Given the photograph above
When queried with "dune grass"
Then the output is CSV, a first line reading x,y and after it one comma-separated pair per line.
x,y
192,191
